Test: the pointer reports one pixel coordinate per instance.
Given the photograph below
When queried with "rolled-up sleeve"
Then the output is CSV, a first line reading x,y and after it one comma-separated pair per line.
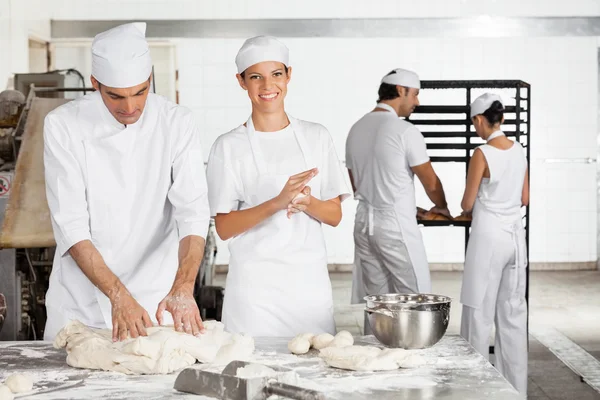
x,y
188,193
65,188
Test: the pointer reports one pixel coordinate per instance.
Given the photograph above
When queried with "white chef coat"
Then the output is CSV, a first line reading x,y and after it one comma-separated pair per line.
x,y
135,191
278,284
389,251
493,287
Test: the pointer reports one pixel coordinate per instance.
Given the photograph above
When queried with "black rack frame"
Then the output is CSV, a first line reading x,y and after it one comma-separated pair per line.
x,y
519,129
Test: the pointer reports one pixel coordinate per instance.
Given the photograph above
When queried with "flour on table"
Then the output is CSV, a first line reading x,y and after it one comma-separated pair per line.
x,y
370,358
163,351
252,371
30,353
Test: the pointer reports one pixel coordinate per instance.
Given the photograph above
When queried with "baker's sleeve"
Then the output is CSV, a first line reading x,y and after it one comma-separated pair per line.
x,y
224,188
65,187
416,149
189,193
334,178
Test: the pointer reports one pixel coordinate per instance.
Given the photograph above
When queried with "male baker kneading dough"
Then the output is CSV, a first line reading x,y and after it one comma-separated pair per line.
x,y
128,198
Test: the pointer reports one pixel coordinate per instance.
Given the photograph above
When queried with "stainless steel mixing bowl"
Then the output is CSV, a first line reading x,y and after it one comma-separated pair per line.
x,y
408,321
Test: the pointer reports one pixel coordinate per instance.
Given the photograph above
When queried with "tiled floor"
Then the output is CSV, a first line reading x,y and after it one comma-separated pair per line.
x,y
568,301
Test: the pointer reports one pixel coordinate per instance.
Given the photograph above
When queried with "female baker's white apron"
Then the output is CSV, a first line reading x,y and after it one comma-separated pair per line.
x,y
278,284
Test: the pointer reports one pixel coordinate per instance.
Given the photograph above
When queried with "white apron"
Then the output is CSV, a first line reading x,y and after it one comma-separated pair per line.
x,y
411,235
271,290
480,251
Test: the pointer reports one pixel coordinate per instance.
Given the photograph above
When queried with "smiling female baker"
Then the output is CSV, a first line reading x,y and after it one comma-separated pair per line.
x,y
493,286
272,182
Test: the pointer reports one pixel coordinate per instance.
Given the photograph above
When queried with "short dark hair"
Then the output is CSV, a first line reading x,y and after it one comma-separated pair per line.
x,y
387,92
495,113
243,74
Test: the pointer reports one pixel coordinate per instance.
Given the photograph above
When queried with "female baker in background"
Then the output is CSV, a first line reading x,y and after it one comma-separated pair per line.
x,y
272,182
493,287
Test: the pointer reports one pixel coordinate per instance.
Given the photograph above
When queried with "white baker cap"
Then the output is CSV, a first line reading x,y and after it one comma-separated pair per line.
x,y
483,102
259,49
403,77
121,56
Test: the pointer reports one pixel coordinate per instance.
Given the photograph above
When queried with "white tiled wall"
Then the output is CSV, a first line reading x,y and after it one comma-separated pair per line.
x,y
20,19
240,9
335,82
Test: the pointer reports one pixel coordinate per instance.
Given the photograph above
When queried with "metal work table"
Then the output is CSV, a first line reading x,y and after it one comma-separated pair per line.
x,y
453,370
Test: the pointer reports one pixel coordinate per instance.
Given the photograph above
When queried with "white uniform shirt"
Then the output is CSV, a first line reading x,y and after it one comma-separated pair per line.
x,y
133,191
231,167
380,151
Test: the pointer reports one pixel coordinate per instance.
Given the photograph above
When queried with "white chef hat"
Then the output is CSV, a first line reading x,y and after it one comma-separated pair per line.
x,y
121,56
402,77
483,102
259,49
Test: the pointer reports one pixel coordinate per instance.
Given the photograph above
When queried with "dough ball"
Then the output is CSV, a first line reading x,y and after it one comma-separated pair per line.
x,y
342,339
5,393
19,383
301,343
321,341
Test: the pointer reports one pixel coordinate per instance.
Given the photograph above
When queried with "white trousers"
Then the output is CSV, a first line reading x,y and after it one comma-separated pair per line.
x,y
503,304
381,264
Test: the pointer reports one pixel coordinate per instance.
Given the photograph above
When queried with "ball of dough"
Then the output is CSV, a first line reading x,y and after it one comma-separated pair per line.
x,y
5,393
321,341
342,339
301,343
19,383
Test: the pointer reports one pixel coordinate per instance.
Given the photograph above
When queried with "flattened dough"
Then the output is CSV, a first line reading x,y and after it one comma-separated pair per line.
x,y
369,358
161,352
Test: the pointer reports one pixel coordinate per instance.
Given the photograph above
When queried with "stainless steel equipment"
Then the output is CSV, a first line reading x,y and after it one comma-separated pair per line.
x,y
408,321
227,386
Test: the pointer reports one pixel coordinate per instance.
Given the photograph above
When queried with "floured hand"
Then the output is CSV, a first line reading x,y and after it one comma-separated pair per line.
x,y
127,315
182,306
300,202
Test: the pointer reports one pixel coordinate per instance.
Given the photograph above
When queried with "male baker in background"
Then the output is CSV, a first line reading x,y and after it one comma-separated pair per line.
x,y
383,153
